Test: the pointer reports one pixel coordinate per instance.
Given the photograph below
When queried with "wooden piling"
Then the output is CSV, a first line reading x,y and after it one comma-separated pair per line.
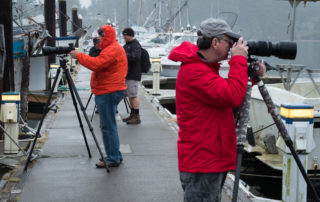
x,y
25,82
75,20
63,17
50,19
8,71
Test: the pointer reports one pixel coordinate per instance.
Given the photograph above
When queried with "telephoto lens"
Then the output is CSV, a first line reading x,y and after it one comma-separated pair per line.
x,y
59,50
283,49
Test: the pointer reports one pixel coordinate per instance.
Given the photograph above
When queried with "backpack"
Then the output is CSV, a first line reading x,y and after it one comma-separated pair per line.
x,y
145,61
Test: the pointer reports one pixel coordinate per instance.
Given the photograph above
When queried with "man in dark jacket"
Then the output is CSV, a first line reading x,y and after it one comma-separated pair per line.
x,y
133,51
95,49
204,103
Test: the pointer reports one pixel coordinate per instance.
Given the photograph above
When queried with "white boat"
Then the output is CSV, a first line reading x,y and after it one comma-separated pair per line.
x,y
302,92
169,67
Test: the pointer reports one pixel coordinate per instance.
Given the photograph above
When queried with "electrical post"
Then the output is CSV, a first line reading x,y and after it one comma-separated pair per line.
x,y
156,69
298,120
10,117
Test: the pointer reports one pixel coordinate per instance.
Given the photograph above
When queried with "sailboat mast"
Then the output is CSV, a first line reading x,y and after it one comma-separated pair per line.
x,y
293,20
115,16
127,13
160,7
140,13
180,14
170,11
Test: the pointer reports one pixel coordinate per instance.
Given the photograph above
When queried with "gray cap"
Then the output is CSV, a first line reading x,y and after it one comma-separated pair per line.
x,y
212,27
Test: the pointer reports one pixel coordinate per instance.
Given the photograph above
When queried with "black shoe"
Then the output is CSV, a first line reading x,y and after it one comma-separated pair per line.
x,y
100,159
100,164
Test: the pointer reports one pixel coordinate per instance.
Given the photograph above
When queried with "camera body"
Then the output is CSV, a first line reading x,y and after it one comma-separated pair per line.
x,y
283,49
59,50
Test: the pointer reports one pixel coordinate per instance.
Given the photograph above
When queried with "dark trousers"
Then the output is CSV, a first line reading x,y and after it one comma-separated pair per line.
x,y
202,187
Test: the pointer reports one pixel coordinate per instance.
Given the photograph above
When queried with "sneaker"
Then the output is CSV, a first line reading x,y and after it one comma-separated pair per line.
x,y
128,118
100,164
134,120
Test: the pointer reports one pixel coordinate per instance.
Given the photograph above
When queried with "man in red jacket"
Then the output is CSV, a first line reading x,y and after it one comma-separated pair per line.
x,y
109,70
204,107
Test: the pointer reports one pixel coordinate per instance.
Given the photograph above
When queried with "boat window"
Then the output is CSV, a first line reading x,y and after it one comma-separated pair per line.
x,y
160,39
181,39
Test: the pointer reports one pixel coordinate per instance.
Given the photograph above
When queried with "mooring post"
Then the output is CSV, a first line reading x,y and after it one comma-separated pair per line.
x,y
75,19
156,69
63,17
8,70
50,19
298,120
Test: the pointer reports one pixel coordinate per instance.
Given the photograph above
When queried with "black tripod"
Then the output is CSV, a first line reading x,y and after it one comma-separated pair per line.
x,y
76,98
125,100
242,130
94,108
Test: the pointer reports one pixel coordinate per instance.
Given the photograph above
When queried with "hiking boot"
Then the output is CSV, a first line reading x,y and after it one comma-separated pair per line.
x,y
128,118
134,120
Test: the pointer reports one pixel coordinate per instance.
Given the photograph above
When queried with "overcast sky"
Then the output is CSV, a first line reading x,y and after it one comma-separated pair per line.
x,y
85,3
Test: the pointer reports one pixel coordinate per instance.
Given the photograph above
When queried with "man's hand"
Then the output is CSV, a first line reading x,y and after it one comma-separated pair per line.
x,y
262,69
73,54
240,48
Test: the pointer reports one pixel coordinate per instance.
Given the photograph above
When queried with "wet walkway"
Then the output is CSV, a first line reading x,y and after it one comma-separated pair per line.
x,y
65,173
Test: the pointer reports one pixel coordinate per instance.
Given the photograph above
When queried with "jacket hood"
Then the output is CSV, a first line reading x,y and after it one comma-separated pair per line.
x,y
185,53
109,36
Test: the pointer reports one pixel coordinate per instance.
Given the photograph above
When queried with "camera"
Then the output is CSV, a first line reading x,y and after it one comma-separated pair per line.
x,y
48,50
282,50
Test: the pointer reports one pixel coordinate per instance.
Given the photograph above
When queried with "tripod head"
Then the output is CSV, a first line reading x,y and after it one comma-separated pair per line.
x,y
63,60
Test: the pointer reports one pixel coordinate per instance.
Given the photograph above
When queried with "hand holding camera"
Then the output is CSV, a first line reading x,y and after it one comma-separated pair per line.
x,y
240,48
73,54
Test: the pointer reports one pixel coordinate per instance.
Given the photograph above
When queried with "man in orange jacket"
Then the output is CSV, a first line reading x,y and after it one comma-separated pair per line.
x,y
109,70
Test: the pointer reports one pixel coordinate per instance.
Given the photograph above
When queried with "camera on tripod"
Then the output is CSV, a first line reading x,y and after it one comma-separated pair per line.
x,y
282,50
59,50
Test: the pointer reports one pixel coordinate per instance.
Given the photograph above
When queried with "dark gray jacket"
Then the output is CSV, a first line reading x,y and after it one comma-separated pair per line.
x,y
94,52
133,51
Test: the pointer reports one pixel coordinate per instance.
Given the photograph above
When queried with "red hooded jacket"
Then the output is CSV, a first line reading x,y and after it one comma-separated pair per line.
x,y
109,69
204,103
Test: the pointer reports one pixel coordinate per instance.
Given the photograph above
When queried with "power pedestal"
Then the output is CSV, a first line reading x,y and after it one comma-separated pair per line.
x,y
298,120
9,115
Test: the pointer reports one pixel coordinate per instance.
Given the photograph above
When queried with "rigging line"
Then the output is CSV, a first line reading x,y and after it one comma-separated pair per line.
x,y
30,18
22,12
264,128
15,21
68,18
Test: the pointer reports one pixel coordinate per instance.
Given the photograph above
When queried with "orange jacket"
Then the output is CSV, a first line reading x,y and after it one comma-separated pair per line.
x,y
109,69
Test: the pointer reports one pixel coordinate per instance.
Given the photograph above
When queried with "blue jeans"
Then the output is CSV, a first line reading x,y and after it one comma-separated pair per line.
x,y
107,108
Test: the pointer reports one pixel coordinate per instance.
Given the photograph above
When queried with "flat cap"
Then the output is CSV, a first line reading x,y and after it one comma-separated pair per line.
x,y
212,27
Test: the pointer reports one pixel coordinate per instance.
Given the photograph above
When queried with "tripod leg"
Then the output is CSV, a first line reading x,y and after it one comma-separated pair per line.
x,y
78,115
42,118
284,134
126,103
241,137
71,85
88,101
94,109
